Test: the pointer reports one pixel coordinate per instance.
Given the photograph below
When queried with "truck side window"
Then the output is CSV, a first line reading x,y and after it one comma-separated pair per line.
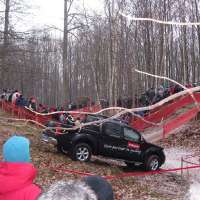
x,y
113,130
130,134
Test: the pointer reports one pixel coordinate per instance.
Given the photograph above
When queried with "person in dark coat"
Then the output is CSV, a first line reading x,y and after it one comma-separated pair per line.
x,y
151,94
100,186
89,188
21,101
177,89
3,95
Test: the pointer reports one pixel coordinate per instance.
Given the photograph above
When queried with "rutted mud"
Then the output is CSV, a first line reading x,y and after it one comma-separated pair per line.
x,y
173,160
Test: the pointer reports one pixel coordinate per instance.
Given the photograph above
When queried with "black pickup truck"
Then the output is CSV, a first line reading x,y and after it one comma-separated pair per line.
x,y
111,138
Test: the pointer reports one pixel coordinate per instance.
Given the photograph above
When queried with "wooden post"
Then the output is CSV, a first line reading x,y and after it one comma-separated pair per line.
x,y
182,167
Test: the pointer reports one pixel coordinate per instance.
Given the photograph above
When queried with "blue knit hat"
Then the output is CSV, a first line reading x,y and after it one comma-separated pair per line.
x,y
16,149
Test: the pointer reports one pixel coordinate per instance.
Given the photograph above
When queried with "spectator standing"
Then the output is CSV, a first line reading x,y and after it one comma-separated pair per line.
x,y
17,172
21,101
3,95
32,103
15,95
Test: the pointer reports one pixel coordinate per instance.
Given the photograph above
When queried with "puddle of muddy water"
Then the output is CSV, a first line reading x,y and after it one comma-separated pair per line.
x,y
173,160
173,157
194,191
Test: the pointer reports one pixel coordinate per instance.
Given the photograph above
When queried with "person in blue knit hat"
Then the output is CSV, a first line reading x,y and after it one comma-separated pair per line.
x,y
16,149
17,173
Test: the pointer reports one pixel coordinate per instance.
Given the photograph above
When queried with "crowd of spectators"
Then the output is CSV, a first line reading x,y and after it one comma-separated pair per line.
x,y
16,98
154,95
149,97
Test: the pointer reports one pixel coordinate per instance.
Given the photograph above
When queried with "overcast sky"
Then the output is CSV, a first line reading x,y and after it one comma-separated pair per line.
x,y
50,12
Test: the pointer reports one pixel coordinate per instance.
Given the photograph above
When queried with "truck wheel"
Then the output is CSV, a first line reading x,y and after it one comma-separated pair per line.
x,y
59,149
152,163
81,152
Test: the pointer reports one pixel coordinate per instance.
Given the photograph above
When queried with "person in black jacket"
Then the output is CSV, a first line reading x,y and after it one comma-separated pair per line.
x,y
89,188
32,103
21,101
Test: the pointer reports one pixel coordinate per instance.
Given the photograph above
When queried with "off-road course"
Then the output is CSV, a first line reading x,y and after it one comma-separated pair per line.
x,y
160,186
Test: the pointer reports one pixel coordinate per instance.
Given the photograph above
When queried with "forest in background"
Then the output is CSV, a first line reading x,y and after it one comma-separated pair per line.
x,y
98,54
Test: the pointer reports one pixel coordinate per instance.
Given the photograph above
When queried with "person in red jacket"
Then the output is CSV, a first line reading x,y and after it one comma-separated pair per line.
x,y
17,172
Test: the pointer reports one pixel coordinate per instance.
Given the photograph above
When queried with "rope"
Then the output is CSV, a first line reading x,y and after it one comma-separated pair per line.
x,y
159,21
124,175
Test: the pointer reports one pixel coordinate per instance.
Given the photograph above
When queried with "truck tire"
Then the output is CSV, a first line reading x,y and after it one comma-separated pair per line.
x,y
81,152
152,163
59,149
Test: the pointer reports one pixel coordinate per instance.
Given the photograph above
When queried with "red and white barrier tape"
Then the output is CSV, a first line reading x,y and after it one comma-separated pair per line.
x,y
124,175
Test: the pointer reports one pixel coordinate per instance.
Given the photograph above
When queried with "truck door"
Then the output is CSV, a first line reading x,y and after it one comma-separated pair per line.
x,y
133,144
111,142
